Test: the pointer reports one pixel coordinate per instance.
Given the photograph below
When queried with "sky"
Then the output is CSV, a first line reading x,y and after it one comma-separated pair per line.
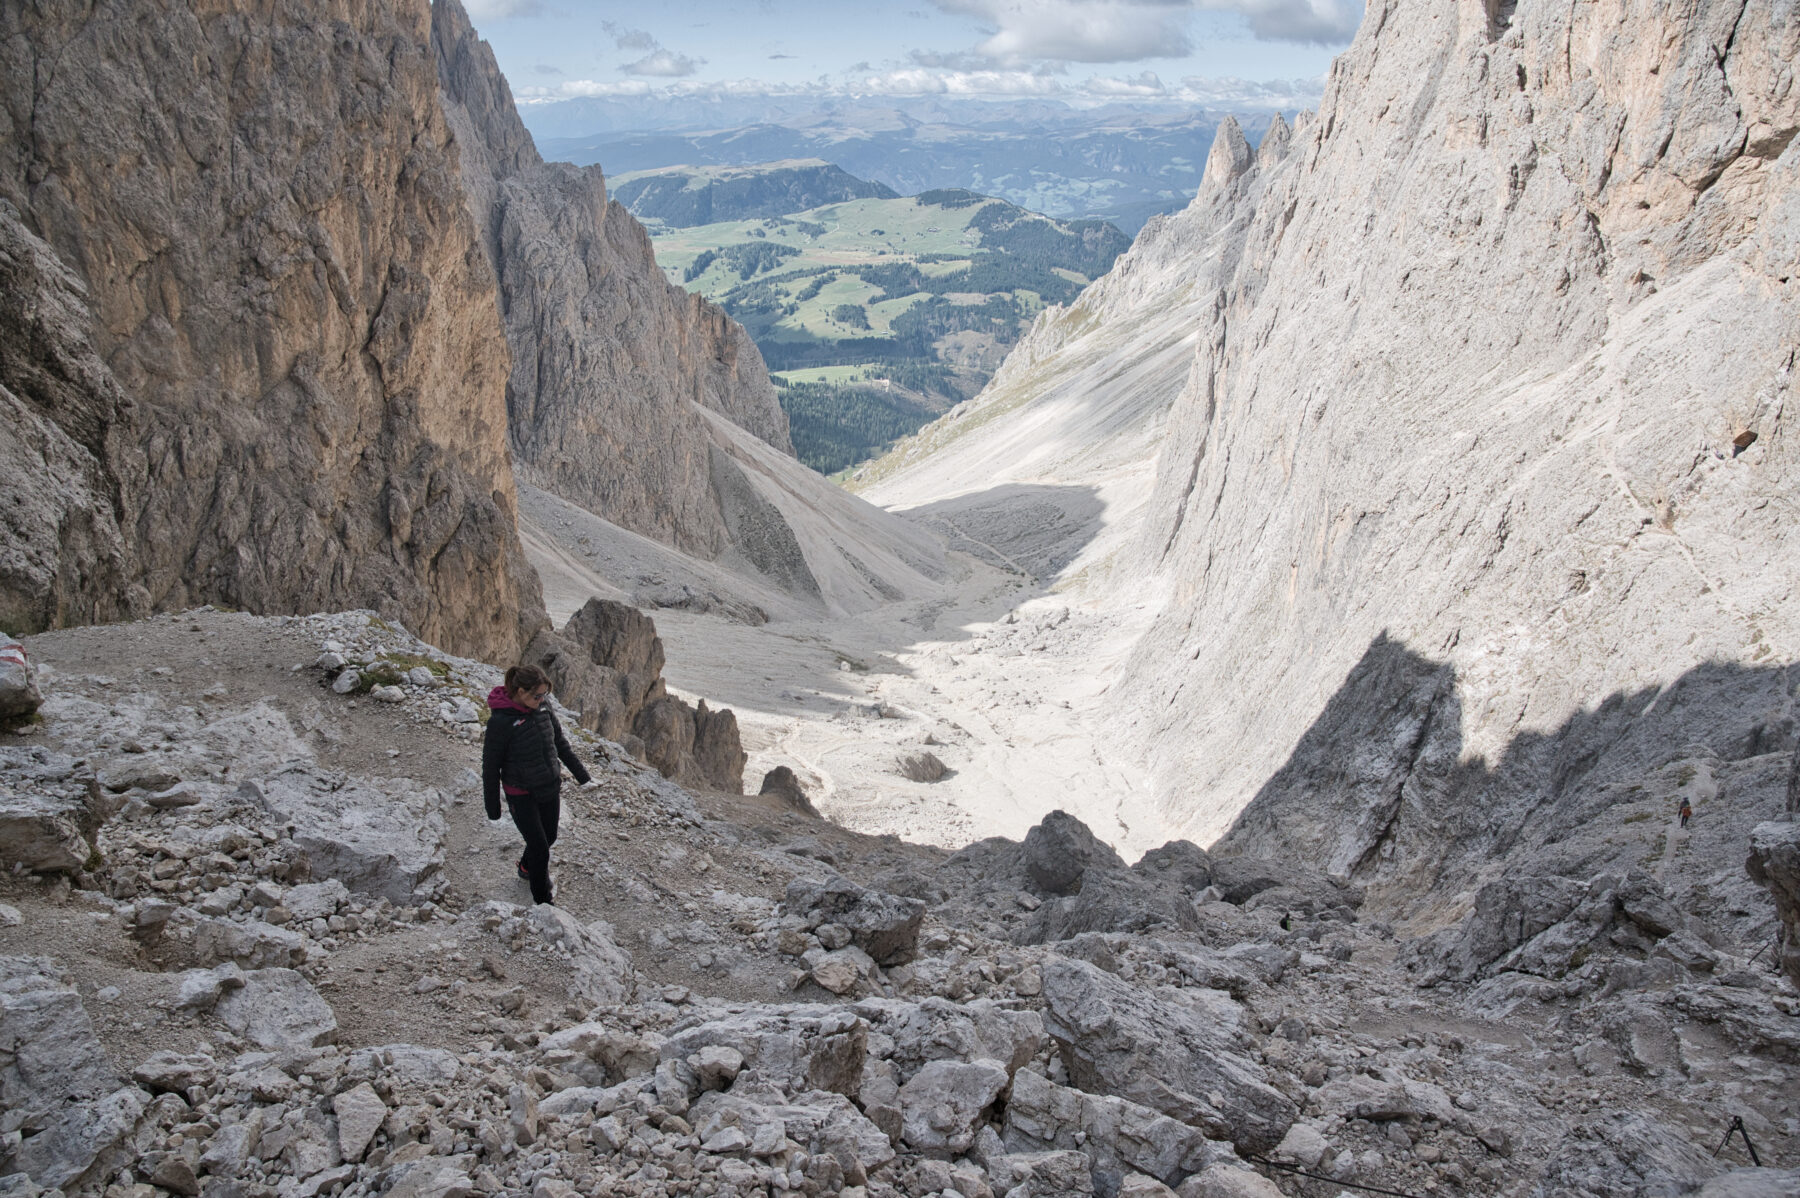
x,y
1153,52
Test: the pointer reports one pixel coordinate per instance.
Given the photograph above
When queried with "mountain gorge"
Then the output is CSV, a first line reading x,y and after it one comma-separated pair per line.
x,y
1325,715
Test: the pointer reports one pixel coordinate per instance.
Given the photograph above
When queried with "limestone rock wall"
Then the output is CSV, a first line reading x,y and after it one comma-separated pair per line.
x,y
1478,507
289,371
611,362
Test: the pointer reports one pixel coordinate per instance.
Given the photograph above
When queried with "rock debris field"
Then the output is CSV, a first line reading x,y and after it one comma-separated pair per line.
x,y
259,942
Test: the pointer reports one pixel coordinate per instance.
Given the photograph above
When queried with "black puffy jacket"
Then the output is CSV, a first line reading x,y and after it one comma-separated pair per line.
x,y
522,749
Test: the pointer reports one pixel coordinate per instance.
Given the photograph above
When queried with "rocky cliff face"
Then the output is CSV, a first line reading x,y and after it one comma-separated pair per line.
x,y
253,355
1476,512
611,363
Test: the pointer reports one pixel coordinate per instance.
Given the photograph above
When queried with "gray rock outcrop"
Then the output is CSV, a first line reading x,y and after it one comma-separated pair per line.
x,y
1775,863
279,386
1162,1052
607,662
374,842
56,1081
886,926
18,689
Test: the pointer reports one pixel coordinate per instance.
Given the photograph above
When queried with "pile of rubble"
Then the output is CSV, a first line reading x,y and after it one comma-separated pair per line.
x,y
228,970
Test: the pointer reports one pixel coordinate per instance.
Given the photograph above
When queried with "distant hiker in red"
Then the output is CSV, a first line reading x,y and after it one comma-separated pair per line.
x,y
520,754
1687,813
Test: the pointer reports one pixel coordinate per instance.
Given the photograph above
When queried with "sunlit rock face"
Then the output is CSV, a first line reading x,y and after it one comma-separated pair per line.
x,y
1475,512
258,358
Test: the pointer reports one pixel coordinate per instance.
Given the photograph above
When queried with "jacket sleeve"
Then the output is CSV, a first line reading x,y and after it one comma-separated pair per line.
x,y
565,751
493,751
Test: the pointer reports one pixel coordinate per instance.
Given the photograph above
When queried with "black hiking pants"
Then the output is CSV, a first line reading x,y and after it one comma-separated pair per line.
x,y
536,813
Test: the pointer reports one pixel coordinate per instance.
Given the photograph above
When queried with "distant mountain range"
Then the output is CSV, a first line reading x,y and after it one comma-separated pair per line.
x,y
875,312
683,199
1120,166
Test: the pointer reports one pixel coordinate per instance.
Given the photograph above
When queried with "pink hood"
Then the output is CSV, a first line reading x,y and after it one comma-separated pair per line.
x,y
498,699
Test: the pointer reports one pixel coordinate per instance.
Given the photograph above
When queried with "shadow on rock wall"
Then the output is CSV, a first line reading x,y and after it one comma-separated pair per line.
x,y
1378,790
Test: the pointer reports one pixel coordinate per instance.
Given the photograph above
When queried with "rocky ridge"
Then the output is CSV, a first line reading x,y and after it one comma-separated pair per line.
x,y
610,361
247,986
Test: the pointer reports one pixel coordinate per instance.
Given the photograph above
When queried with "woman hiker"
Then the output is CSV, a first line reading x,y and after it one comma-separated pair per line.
x,y
520,754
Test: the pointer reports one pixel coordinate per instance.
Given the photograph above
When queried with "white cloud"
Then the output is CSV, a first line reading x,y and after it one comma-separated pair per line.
x,y
1144,84
1101,31
664,64
1243,94
629,39
1321,22
499,10
577,89
1079,30
919,81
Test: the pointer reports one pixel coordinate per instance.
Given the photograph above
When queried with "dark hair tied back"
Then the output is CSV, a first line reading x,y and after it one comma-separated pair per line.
x,y
526,679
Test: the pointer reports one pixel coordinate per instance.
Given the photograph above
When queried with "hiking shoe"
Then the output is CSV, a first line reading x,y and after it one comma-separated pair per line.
x,y
524,874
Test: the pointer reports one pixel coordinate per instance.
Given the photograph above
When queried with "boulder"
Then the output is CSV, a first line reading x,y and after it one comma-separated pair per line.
x,y
1111,901
42,833
55,1072
597,1054
251,944
316,900
1241,879
1384,1098
1624,1153
946,1101
19,695
360,1113
1118,1136
718,757
695,746
782,783
433,1177
1774,862
83,1144
201,989
53,1055
1060,849
885,926
606,662
1508,912
1180,864
1228,1181
597,971
607,700
1060,1173
809,1047
278,1009
844,970
761,1122
940,1030
171,1072
359,831
1162,1049
618,636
